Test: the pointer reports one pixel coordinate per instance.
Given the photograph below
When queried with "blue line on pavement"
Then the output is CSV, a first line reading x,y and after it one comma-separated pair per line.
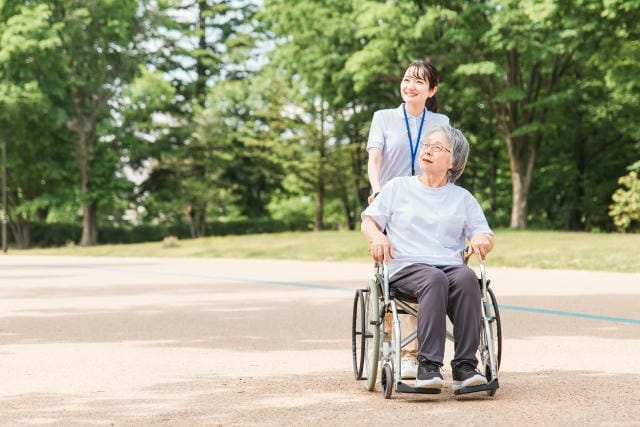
x,y
229,278
569,314
341,288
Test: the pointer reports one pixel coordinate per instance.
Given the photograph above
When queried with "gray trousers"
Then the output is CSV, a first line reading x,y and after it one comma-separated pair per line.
x,y
452,291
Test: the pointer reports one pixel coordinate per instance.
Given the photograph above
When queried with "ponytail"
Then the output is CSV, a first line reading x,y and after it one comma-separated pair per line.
x,y
432,103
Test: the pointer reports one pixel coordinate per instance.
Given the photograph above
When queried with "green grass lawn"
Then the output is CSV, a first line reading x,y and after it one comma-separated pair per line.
x,y
537,249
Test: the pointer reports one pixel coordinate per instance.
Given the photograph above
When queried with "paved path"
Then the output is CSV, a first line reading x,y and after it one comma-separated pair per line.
x,y
139,341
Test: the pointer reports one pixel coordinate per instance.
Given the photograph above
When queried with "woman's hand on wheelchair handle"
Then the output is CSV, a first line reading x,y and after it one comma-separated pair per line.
x,y
480,244
381,249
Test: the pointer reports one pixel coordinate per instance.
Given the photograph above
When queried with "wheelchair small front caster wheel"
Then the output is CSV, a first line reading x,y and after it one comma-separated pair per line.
x,y
487,372
387,380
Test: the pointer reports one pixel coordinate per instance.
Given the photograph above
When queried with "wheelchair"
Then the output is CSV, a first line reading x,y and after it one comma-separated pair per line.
x,y
377,352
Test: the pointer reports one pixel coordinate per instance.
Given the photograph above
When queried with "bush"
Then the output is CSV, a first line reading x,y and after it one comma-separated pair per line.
x,y
54,234
625,209
61,234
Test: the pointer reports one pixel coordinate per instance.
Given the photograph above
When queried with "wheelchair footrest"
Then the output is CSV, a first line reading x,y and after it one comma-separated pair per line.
x,y
491,385
406,388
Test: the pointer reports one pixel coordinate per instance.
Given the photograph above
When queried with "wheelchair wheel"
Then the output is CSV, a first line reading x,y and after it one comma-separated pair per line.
x,y
496,327
357,333
386,379
373,325
495,332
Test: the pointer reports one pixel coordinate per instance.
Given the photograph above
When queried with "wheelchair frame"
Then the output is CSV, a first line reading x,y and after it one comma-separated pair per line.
x,y
371,346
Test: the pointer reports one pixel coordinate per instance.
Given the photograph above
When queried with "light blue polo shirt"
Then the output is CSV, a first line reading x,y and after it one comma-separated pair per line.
x,y
426,224
388,132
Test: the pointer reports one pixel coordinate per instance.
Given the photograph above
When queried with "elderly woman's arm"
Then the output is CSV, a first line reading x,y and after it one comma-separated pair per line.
x,y
381,249
480,244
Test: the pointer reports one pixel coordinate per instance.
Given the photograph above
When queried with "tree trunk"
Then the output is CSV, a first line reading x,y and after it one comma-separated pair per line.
x,y
89,225
21,231
320,183
348,212
519,200
522,155
575,221
319,223
493,179
197,221
84,125
358,158
89,209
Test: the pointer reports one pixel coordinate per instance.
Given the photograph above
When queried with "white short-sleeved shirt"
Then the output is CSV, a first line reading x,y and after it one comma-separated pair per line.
x,y
388,132
426,224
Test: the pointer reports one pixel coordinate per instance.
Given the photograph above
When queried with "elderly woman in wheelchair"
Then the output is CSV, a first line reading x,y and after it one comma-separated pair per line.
x,y
418,228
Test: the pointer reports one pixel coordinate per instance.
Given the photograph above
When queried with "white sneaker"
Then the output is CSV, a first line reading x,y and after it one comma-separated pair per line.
x,y
409,368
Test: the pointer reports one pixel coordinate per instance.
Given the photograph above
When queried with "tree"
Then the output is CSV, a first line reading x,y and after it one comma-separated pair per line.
x,y
240,132
198,44
314,41
138,121
32,116
98,39
520,59
525,55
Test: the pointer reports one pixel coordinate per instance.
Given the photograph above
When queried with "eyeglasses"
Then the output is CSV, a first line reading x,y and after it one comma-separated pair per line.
x,y
436,148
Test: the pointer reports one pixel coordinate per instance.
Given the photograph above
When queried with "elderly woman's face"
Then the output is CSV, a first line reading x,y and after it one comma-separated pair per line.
x,y
435,154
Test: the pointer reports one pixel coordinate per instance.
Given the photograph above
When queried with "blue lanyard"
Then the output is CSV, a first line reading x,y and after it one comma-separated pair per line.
x,y
414,150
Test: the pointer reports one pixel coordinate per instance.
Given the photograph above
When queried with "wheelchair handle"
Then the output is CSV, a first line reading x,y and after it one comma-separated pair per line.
x,y
483,278
385,275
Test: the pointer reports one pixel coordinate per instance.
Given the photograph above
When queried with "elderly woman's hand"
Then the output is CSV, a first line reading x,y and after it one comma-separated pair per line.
x,y
480,244
381,249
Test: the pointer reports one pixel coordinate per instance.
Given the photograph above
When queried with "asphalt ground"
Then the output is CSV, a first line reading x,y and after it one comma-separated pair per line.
x,y
140,341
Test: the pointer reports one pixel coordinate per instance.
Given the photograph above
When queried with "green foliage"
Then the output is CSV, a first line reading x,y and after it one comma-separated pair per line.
x,y
201,48
32,114
625,209
329,118
293,208
238,135
221,128
482,68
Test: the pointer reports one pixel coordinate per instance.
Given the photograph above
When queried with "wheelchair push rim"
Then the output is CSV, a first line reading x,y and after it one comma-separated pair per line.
x,y
366,325
357,332
495,334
